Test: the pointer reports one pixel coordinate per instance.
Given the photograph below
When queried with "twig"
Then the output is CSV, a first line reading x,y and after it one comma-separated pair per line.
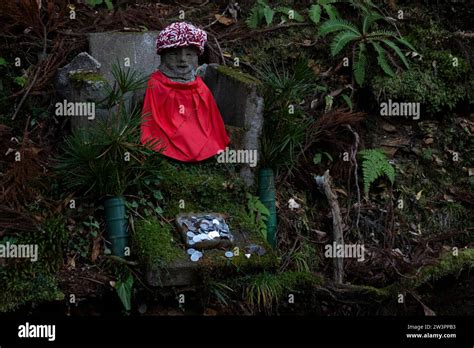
x,y
325,184
354,149
92,280
220,50
38,69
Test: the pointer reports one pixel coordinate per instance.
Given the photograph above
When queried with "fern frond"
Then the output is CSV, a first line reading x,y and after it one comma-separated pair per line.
x,y
341,40
360,61
315,13
333,25
375,165
380,33
369,20
397,50
331,11
406,43
382,60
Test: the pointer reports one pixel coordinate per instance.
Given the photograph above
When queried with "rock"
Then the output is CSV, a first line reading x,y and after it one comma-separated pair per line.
x,y
82,63
81,81
240,105
139,49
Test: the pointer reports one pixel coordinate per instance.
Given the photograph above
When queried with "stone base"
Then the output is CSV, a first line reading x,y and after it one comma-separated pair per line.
x,y
184,272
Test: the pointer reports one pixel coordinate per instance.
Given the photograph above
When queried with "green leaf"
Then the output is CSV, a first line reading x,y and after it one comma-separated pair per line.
x,y
360,61
315,13
20,80
341,40
378,34
109,5
253,20
347,100
382,60
331,11
369,20
406,43
328,156
2,61
268,14
317,158
333,25
375,164
124,291
399,52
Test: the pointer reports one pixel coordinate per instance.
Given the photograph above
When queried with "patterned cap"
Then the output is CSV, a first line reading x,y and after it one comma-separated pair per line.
x,y
180,34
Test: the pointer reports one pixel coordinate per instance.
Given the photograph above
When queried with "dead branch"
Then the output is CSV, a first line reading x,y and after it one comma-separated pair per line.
x,y
325,184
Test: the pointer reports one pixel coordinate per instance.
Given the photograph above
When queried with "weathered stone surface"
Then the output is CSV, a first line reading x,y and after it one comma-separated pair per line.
x,y
80,81
184,272
240,105
82,64
114,47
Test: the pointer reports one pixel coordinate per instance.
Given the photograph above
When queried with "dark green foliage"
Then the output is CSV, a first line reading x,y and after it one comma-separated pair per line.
x,y
261,13
108,158
385,43
434,82
285,123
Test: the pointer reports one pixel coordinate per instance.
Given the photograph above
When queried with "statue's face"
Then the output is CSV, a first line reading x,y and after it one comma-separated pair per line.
x,y
180,64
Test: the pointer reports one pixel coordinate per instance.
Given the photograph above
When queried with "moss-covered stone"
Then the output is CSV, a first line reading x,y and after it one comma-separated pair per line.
x,y
80,78
238,75
448,264
154,244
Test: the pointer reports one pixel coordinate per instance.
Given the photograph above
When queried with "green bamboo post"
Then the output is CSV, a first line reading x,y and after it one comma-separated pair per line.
x,y
266,193
116,225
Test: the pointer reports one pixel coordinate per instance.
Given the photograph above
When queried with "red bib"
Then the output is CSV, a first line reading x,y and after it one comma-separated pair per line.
x,y
184,118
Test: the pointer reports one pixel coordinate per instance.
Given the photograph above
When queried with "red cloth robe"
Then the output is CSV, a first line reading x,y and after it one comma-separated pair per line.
x,y
184,118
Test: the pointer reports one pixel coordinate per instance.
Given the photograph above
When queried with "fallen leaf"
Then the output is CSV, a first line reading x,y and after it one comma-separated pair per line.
x,y
418,195
95,249
448,198
471,171
428,141
388,127
341,191
71,262
223,19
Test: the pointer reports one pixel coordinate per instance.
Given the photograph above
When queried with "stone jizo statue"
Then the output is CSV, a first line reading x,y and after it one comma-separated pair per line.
x,y
179,110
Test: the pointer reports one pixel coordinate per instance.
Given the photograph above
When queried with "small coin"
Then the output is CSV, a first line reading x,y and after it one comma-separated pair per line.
x,y
215,222
195,257
191,251
191,242
229,254
213,234
190,234
197,238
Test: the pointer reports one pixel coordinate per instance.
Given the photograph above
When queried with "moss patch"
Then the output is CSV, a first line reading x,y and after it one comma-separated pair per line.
x,y
238,75
86,77
154,244
448,264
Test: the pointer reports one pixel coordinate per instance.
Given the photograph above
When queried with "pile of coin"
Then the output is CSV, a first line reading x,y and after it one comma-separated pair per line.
x,y
206,227
200,229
